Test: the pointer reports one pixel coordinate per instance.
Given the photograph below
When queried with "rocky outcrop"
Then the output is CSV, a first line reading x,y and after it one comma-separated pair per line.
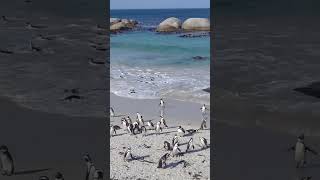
x,y
171,24
196,24
117,25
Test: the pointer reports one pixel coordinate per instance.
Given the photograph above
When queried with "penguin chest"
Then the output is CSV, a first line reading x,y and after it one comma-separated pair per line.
x,y
299,152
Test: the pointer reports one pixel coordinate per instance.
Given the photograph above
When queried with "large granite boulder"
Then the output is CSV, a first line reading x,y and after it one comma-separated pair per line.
x,y
169,25
117,25
196,24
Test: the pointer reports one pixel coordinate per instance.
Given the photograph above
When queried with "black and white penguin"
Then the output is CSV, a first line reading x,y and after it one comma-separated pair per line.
x,y
176,150
203,124
124,123
162,161
203,142
90,169
59,176
98,175
158,127
163,121
113,129
166,146
190,145
300,150
161,104
141,121
191,131
181,131
131,129
150,124
6,161
143,129
128,155
175,139
139,116
129,120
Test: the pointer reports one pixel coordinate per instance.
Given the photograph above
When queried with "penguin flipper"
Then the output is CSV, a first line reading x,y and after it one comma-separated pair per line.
x,y
311,150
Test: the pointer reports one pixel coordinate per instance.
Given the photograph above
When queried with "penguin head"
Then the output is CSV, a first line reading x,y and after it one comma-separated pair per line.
x,y
3,148
87,158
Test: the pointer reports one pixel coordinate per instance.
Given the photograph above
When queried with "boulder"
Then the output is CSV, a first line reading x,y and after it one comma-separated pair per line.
x,y
122,24
114,20
169,25
196,24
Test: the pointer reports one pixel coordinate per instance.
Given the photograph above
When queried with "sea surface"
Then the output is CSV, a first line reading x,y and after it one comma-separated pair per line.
x,y
148,65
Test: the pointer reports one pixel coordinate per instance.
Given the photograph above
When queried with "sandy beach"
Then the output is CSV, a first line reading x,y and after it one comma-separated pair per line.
x,y
150,147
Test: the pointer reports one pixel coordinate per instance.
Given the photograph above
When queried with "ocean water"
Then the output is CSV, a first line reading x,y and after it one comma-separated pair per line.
x,y
148,65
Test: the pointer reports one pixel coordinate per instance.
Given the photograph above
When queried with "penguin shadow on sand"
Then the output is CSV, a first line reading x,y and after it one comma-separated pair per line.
x,y
197,150
175,164
165,133
115,135
31,171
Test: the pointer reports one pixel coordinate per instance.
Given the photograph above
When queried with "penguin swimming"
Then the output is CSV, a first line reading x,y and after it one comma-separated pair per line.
x,y
166,146
98,175
6,161
158,127
203,142
127,155
300,151
190,145
176,150
150,124
112,112
90,167
59,176
162,161
163,121
181,131
175,139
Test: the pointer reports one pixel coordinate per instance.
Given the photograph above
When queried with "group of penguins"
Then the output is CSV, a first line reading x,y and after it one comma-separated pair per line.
x,y
7,167
138,126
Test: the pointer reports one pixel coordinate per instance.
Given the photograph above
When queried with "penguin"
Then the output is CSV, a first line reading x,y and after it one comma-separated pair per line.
x,y
112,112
131,129
162,161
124,122
181,131
150,124
166,146
98,175
300,151
136,127
127,155
190,145
175,139
139,116
203,124
203,142
143,129
90,167
191,131
158,127
59,176
113,129
43,178
141,121
203,109
163,121
161,103
129,120
6,161
176,150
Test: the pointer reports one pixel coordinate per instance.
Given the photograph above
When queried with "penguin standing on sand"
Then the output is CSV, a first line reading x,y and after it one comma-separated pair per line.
x,y
161,104
162,161
300,150
139,116
150,124
158,127
59,176
166,146
190,145
181,131
141,121
203,142
113,129
176,150
131,129
204,111
124,123
90,170
6,161
112,112
203,124
129,120
175,139
127,155
163,121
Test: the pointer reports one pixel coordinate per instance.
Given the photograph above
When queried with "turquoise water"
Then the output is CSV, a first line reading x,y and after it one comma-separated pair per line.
x,y
147,65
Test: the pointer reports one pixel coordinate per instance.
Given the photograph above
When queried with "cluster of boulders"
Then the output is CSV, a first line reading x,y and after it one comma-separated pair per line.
x,y
117,24
173,24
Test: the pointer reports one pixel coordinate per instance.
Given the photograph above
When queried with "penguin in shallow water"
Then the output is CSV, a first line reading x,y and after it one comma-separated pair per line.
x,y
203,109
163,121
190,145
6,161
162,161
300,150
128,155
112,112
203,142
181,131
166,146
59,176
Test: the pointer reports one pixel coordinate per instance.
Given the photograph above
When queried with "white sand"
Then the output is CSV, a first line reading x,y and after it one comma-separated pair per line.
x,y
186,114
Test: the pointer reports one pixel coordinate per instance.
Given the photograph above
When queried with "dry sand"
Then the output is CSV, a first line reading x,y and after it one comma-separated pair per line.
x,y
186,114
